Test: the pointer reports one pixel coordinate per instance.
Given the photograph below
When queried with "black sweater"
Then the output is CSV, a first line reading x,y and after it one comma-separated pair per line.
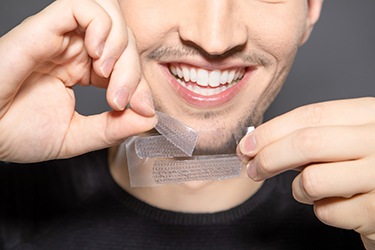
x,y
75,204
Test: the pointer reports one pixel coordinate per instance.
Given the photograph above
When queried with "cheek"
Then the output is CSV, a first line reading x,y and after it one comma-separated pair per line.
x,y
150,22
281,43
142,32
279,32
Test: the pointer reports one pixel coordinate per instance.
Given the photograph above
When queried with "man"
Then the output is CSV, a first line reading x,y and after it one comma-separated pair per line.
x,y
233,57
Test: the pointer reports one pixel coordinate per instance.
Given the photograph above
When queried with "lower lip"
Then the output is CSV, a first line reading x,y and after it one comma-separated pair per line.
x,y
202,101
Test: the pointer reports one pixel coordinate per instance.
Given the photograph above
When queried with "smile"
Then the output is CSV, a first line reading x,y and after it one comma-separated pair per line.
x,y
207,88
204,82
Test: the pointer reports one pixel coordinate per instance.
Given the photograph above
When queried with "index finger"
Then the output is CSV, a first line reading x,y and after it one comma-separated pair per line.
x,y
332,113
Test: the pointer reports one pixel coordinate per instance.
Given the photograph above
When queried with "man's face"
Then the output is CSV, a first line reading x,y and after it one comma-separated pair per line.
x,y
216,65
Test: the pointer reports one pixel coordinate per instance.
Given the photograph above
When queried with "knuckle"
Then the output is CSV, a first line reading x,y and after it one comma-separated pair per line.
x,y
369,213
264,163
370,208
308,143
265,136
323,212
118,43
310,184
311,114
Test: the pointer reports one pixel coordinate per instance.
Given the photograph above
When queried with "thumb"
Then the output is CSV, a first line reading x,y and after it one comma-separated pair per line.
x,y
89,133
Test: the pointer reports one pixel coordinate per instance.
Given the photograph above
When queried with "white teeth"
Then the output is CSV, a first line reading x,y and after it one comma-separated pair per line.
x,y
173,70
186,74
230,76
214,78
224,77
237,74
193,75
179,72
202,79
206,78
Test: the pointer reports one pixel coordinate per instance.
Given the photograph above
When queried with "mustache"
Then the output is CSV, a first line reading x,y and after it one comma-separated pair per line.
x,y
251,57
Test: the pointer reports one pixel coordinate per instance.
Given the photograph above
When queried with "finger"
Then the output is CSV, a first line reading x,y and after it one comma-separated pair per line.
x,y
41,37
125,77
340,179
243,158
96,24
116,41
88,133
356,213
334,113
314,144
368,241
141,101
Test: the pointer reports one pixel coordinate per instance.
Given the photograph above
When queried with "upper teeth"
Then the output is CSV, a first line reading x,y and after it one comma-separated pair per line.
x,y
207,78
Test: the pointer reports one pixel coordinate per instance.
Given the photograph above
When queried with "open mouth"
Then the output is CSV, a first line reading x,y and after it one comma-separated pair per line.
x,y
204,82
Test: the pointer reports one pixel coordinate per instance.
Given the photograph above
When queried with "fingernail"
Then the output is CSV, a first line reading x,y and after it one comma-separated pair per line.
x,y
121,98
251,169
248,144
243,158
99,50
107,66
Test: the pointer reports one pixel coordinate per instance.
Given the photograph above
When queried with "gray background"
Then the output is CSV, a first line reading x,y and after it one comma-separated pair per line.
x,y
337,62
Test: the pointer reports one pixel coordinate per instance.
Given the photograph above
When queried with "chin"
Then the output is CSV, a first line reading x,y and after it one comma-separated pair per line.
x,y
216,142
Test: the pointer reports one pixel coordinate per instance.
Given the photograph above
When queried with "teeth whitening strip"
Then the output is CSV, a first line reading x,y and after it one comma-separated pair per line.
x,y
157,146
177,133
167,158
149,172
196,169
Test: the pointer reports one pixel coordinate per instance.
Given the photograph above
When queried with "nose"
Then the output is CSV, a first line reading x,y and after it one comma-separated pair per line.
x,y
214,26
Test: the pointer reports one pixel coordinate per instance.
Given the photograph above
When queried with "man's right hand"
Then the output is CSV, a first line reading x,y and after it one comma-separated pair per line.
x,y
70,42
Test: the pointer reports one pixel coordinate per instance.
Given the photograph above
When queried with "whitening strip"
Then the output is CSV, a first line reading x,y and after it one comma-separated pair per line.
x,y
167,158
196,169
145,172
177,133
157,146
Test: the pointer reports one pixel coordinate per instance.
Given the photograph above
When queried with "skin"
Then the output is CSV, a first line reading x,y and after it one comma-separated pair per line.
x,y
336,171
125,47
56,55
237,38
218,41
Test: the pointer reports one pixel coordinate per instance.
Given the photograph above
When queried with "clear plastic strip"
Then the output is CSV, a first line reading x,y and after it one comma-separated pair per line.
x,y
177,133
181,171
156,146
144,172
167,158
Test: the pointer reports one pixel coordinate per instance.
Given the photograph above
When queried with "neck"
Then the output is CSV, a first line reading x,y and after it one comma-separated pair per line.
x,y
192,197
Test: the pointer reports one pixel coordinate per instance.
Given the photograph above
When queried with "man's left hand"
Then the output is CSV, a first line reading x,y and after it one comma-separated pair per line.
x,y
332,144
